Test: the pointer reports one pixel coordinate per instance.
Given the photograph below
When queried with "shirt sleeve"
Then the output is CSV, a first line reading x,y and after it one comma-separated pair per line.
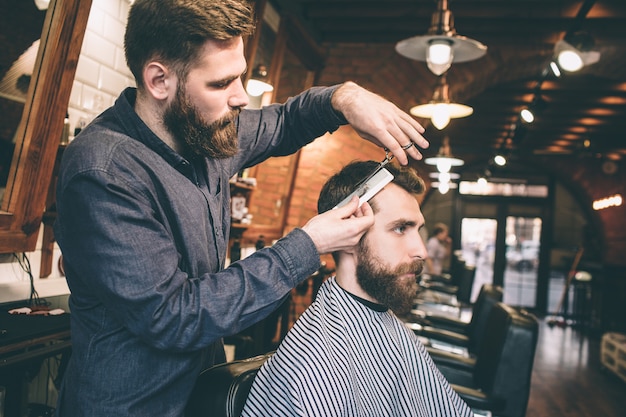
x,y
119,251
282,129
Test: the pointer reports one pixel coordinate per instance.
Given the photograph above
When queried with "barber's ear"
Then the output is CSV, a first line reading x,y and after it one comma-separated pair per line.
x,y
159,80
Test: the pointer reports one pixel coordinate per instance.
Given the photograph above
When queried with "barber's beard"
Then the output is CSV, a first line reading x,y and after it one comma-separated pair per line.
x,y
214,140
388,286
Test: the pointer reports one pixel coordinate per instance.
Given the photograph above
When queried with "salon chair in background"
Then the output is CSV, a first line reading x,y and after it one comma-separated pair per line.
x,y
453,334
499,378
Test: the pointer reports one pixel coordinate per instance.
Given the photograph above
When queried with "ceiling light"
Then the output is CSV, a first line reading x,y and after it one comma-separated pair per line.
x,y
441,45
500,160
449,175
444,160
257,84
441,109
42,4
528,114
555,69
574,51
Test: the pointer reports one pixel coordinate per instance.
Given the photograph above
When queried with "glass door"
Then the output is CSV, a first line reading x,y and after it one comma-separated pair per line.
x,y
478,248
522,260
505,251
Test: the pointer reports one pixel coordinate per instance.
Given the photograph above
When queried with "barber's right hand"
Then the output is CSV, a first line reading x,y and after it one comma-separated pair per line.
x,y
340,228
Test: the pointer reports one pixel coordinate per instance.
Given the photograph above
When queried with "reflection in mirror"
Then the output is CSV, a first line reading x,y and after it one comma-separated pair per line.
x,y
21,23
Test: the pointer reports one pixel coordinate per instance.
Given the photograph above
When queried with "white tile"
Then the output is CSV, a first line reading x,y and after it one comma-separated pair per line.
x,y
112,81
98,48
124,8
110,7
77,90
95,23
87,70
114,31
120,63
92,100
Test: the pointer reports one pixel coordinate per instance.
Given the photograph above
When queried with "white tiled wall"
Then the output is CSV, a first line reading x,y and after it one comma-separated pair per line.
x,y
101,75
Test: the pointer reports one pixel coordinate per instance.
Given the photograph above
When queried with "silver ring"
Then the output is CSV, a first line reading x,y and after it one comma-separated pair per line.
x,y
405,147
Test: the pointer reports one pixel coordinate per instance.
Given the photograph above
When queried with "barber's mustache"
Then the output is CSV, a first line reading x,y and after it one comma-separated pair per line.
x,y
228,118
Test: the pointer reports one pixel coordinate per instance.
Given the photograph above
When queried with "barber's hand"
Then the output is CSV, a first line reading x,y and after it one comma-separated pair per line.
x,y
340,228
380,121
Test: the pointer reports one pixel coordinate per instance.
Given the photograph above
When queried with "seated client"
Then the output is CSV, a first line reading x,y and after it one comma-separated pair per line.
x,y
348,354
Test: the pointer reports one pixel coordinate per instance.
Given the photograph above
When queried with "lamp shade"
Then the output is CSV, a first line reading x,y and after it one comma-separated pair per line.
x,y
441,46
575,51
444,160
257,84
441,109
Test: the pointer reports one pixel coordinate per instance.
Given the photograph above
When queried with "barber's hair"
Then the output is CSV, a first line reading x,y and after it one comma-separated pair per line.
x,y
173,31
340,185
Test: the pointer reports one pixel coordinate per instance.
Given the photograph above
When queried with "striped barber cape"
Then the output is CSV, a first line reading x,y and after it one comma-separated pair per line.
x,y
344,358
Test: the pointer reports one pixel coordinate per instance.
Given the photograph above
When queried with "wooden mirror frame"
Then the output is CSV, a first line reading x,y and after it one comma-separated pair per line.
x,y
41,125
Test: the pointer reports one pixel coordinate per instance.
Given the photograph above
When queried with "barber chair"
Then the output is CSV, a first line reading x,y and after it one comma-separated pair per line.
x,y
222,390
453,332
498,380
456,295
457,263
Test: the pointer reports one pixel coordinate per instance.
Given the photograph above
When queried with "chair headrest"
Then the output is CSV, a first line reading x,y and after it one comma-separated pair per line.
x,y
222,390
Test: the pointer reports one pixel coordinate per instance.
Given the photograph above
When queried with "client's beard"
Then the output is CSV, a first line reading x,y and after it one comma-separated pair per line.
x,y
384,284
214,140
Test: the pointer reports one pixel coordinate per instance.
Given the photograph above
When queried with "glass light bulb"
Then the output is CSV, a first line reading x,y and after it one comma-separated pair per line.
x,y
441,115
443,164
500,160
444,187
570,61
444,177
527,116
439,56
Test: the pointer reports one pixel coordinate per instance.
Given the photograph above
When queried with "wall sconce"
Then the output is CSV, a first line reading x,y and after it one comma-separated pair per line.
x,y
441,109
441,45
257,84
575,51
444,160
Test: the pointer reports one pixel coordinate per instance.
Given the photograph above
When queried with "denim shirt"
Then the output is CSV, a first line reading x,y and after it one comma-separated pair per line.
x,y
143,234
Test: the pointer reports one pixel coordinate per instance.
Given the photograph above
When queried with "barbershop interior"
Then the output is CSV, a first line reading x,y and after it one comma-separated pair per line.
x,y
526,167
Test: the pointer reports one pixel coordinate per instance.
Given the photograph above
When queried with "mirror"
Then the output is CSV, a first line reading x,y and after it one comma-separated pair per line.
x,y
40,127
21,23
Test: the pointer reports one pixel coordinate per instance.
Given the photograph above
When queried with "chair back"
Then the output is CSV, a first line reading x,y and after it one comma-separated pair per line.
x,y
504,366
457,265
488,297
222,390
466,283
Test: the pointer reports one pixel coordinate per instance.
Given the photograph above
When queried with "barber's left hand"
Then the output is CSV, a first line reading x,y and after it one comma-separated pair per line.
x,y
380,121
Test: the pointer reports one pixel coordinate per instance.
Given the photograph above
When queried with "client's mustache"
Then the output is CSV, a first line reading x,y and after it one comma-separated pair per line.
x,y
415,267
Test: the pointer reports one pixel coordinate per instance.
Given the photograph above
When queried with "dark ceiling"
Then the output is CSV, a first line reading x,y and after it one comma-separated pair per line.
x,y
585,116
